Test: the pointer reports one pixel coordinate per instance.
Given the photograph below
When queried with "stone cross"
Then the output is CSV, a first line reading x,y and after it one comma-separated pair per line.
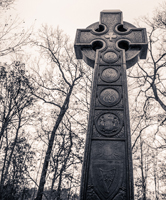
x,y
109,46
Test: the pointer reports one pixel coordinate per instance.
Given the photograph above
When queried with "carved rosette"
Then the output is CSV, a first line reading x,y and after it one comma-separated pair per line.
x,y
109,97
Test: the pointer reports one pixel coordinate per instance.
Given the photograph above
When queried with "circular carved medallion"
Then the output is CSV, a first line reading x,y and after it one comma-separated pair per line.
x,y
108,124
109,97
109,75
110,57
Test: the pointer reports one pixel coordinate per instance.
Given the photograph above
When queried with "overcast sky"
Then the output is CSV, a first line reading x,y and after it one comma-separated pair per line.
x,y
73,14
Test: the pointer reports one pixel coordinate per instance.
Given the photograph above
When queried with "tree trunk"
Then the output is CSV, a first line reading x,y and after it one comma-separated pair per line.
x,y
53,181
63,168
3,177
142,171
155,174
50,145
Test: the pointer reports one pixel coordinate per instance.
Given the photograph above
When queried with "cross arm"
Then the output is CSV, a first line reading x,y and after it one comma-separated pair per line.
x,y
138,40
82,40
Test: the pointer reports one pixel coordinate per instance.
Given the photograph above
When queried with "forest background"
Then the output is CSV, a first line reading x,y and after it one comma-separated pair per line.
x,y
44,106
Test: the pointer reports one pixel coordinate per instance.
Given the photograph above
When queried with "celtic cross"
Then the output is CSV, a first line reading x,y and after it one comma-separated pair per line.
x,y
110,46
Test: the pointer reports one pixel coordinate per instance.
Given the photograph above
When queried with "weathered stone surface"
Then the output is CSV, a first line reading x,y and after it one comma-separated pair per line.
x,y
110,75
109,97
109,46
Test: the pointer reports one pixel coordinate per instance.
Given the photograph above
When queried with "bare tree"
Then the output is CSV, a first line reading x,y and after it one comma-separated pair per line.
x,y
13,36
56,89
6,3
15,99
147,82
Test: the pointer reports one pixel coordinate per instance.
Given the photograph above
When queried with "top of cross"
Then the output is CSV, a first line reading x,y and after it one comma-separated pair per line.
x,y
113,35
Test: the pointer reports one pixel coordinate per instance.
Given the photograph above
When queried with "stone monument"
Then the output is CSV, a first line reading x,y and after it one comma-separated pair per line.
x,y
109,46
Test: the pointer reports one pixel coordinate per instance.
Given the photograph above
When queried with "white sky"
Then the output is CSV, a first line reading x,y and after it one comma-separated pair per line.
x,y
73,14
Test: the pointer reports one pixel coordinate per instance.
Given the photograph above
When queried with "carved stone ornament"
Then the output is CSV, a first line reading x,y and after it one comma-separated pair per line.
x,y
110,57
108,124
107,178
109,97
110,75
91,195
121,194
108,150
